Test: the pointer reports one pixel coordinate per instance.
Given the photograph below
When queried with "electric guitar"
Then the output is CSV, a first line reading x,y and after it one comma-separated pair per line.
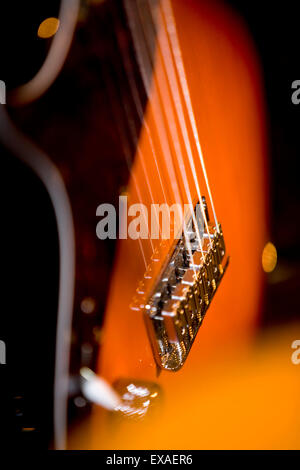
x,y
140,106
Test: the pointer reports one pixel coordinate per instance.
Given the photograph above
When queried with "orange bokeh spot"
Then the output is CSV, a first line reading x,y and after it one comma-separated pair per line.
x,y
48,28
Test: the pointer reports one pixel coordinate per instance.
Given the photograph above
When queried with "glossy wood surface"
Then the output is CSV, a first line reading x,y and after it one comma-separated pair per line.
x,y
226,91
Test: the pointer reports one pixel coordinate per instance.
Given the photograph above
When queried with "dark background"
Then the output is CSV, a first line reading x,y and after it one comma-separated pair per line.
x,y
275,30
30,266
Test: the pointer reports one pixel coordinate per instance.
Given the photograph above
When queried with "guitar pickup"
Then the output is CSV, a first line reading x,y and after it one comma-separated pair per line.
x,y
183,294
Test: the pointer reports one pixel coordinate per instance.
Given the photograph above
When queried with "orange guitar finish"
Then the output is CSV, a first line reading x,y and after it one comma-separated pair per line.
x,y
226,92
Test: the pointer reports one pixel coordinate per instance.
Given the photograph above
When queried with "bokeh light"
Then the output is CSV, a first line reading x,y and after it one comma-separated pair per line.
x,y
48,28
269,257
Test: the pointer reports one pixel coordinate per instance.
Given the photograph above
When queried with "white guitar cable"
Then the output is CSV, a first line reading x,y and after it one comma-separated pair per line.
x,y
98,391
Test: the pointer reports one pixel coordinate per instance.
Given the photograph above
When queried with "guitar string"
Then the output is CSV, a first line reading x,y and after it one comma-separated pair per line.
x,y
140,155
125,144
146,71
135,95
137,101
166,104
145,67
138,108
166,95
126,61
169,121
174,40
174,87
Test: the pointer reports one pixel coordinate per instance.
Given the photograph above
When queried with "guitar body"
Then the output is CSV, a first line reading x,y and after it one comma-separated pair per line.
x,y
225,88
226,93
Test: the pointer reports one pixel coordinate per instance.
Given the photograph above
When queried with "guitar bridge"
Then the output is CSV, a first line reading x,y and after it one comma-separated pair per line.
x,y
182,296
